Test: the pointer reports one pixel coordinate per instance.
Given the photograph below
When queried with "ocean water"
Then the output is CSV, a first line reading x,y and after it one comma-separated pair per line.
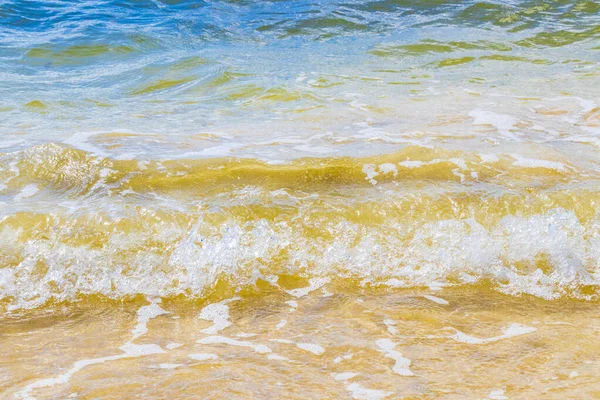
x,y
299,199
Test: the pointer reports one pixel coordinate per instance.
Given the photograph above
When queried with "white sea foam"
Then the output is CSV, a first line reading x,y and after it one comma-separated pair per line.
x,y
145,314
277,357
27,191
489,158
79,140
370,171
391,326
129,349
425,254
521,161
497,394
402,364
281,324
339,359
388,168
436,286
344,376
203,356
218,313
293,305
460,163
436,300
311,347
573,374
286,341
510,331
5,144
314,284
245,334
165,366
503,123
360,392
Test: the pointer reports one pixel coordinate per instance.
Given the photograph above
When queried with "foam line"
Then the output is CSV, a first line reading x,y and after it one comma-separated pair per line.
x,y
129,349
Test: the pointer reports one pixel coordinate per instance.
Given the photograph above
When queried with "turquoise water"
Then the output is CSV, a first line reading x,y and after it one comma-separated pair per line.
x,y
283,69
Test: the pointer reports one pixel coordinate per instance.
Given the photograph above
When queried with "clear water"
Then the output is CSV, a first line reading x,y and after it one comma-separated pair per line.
x,y
334,165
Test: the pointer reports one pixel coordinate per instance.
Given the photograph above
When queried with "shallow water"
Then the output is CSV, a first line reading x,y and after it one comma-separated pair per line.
x,y
335,341
385,199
